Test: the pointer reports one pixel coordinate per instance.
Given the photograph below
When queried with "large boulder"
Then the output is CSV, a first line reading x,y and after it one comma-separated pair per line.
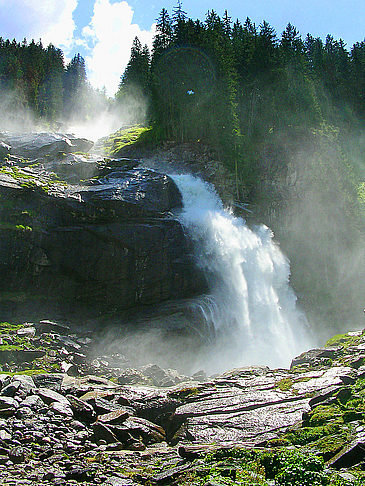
x,y
111,241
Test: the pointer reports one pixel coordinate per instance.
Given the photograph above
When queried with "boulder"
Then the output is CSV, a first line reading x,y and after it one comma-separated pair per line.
x,y
111,242
4,150
39,145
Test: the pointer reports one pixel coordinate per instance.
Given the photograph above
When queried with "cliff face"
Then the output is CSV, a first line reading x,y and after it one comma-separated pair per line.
x,y
109,240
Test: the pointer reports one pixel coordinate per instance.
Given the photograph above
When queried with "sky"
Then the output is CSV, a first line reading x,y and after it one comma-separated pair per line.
x,y
102,31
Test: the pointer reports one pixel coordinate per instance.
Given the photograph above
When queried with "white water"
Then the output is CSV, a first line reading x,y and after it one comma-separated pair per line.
x,y
251,308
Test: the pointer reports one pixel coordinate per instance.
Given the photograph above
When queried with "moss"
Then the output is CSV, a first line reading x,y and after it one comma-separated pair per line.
x,y
31,181
344,340
323,414
7,326
28,372
305,435
285,384
329,446
11,347
134,135
15,227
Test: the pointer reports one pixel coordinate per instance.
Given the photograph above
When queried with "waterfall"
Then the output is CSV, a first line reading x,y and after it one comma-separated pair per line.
x,y
251,309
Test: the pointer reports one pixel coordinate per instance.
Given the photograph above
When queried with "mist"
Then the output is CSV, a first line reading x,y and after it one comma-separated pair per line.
x,y
15,116
104,115
320,228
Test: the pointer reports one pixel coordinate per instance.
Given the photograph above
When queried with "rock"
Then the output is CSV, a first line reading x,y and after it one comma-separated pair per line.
x,y
91,396
52,381
50,396
4,380
4,435
8,406
115,417
40,145
26,331
352,454
16,455
129,249
34,402
171,474
115,481
72,168
133,377
80,144
81,409
137,428
21,355
61,408
102,432
51,326
80,474
26,380
159,376
11,389
313,355
4,150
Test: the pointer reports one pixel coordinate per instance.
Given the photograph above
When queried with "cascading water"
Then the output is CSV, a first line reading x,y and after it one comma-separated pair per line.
x,y
251,308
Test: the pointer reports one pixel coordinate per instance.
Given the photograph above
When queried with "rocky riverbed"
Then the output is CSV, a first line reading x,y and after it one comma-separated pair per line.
x,y
71,416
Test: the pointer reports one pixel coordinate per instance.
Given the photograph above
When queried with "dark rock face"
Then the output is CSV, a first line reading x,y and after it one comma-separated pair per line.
x,y
110,241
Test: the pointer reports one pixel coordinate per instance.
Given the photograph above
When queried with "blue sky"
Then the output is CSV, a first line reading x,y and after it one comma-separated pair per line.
x,y
103,30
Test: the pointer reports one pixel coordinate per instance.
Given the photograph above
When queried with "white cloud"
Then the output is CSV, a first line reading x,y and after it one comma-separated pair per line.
x,y
110,34
49,20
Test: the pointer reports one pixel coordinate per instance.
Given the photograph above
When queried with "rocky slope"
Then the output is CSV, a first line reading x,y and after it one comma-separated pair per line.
x,y
79,229
68,416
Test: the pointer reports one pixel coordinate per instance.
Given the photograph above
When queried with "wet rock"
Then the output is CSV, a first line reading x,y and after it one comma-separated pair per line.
x,y
52,326
40,145
26,331
133,377
311,357
159,376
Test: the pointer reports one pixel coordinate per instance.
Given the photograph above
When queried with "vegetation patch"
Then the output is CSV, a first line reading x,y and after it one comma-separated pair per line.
x,y
285,384
135,135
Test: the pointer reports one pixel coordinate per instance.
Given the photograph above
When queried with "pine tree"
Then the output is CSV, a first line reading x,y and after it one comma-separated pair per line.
x,y
74,84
